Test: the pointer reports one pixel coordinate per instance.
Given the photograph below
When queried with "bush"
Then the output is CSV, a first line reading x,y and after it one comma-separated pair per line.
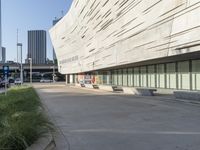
x,y
22,120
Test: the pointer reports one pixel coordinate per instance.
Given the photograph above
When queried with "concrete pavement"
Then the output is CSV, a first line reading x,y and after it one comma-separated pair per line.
x,y
99,120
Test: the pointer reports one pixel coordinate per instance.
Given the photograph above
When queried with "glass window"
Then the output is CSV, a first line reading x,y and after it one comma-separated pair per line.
x,y
183,75
171,76
104,77
100,78
120,80
143,76
107,78
136,76
125,77
114,77
130,77
196,75
160,75
151,76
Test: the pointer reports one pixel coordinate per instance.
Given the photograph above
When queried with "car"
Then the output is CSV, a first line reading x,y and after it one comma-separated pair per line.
x,y
11,80
46,80
3,83
18,81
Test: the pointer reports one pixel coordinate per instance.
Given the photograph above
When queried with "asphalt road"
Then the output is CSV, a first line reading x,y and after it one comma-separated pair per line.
x,y
91,120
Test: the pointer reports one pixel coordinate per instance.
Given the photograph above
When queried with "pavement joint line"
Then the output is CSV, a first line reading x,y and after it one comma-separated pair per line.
x,y
121,131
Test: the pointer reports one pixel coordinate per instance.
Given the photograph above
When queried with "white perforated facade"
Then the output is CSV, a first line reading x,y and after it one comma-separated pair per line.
x,y
99,35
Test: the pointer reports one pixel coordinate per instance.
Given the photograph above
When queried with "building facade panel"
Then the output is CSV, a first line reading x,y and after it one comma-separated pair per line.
x,y
145,37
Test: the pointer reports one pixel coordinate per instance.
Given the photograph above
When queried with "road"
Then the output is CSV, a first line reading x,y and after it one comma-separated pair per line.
x,y
92,120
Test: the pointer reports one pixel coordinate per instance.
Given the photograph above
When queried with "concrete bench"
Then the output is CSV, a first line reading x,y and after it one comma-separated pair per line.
x,y
189,95
95,86
82,85
106,88
145,91
117,88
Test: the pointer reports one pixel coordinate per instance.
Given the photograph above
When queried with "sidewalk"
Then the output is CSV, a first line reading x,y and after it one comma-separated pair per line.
x,y
88,120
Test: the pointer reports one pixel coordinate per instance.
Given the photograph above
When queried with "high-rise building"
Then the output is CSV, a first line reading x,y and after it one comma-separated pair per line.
x,y
37,46
54,23
0,35
3,54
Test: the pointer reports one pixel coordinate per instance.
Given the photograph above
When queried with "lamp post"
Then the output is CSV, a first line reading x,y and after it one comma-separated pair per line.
x,y
53,67
21,71
53,73
31,66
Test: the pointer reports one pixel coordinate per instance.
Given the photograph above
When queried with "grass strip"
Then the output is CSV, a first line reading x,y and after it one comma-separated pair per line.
x,y
22,119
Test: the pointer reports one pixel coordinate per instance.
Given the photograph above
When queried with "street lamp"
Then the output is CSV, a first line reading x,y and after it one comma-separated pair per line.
x,y
53,67
31,66
21,71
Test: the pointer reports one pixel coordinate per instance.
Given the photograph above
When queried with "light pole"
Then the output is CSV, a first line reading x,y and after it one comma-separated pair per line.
x,y
31,66
21,71
53,73
53,67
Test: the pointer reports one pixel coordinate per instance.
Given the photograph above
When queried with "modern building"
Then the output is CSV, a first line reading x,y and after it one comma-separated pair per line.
x,y
37,46
56,20
0,35
3,54
132,43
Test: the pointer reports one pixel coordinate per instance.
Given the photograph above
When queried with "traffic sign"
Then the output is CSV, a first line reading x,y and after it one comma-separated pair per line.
x,y
5,70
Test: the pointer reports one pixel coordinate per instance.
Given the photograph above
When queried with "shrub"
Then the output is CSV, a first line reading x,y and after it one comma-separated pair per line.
x,y
22,119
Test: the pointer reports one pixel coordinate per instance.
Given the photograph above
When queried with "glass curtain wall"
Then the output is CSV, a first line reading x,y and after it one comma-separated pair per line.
x,y
160,75
107,77
136,77
171,75
120,77
143,76
183,75
125,77
151,76
196,75
130,77
114,77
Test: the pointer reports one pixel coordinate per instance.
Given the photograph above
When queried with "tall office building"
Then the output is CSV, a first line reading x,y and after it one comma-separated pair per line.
x,y
56,20
37,46
3,54
0,35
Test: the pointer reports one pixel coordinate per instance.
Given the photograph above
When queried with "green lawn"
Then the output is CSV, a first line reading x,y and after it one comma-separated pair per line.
x,y
22,119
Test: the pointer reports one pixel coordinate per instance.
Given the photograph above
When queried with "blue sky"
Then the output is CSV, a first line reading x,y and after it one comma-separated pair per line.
x,y
28,15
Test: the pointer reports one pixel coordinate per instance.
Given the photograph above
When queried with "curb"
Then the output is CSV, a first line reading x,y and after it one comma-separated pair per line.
x,y
45,143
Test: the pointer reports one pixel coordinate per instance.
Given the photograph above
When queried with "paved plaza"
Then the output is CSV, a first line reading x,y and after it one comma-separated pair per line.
x,y
98,120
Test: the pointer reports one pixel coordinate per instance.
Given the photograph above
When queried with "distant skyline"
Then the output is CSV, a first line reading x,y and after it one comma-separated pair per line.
x,y
27,15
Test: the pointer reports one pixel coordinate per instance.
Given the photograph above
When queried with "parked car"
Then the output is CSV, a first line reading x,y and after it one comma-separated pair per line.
x,y
46,80
3,83
11,80
18,81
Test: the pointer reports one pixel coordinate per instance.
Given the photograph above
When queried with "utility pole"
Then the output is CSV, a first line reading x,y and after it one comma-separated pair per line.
x,y
21,67
17,45
30,59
